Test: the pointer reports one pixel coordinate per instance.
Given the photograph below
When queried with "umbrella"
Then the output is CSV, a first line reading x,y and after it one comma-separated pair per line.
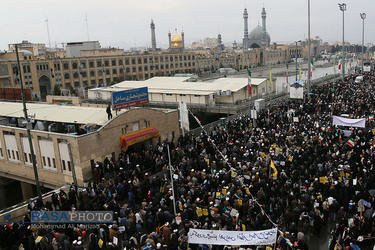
x,y
372,192
369,213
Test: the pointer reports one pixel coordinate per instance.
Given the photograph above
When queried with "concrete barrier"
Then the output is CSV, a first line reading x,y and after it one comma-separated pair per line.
x,y
17,212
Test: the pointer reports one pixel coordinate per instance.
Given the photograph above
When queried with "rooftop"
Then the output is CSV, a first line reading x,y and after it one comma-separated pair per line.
x,y
180,85
55,113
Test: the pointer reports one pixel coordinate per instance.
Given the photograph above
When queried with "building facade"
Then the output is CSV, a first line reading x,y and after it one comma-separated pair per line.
x,y
51,149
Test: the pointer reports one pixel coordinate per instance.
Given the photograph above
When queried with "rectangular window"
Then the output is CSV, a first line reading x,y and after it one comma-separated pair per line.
x,y
9,154
18,156
1,152
13,154
54,162
63,165
25,156
69,167
30,158
49,162
44,161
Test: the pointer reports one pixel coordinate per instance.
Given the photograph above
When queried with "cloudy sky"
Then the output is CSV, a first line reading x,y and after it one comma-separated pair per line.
x,y
126,23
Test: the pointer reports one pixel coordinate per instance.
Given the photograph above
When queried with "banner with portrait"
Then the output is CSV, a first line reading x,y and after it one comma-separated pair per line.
x,y
296,89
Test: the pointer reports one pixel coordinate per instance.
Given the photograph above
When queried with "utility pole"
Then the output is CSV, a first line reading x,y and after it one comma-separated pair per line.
x,y
343,9
309,50
363,16
296,62
28,127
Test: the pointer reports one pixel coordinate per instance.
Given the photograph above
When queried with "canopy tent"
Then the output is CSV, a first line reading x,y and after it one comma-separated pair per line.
x,y
138,136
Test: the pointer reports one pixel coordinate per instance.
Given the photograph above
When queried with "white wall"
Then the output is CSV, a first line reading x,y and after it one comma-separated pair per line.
x,y
27,151
47,154
65,158
11,147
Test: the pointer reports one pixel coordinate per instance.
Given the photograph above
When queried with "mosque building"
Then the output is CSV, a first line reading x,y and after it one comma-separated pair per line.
x,y
258,37
177,42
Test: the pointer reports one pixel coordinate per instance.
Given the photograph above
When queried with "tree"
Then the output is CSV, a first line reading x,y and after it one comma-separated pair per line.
x,y
57,90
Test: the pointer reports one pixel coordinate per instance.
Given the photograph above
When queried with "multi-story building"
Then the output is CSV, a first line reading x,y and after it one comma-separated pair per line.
x,y
69,140
85,65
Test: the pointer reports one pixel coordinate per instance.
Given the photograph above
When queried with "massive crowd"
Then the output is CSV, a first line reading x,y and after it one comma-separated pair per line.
x,y
322,180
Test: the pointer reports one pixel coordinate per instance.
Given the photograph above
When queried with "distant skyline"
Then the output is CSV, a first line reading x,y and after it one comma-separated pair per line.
x,y
126,24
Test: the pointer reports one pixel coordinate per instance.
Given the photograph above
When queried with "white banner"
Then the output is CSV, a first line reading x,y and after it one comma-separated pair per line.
x,y
338,120
184,116
233,238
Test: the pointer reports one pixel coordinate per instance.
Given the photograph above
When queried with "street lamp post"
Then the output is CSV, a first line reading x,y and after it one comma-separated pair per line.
x,y
343,9
363,16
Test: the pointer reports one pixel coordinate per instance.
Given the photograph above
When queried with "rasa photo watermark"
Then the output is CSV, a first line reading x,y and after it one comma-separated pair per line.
x,y
71,217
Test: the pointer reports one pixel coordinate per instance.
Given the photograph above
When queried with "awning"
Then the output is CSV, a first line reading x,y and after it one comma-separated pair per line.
x,y
138,136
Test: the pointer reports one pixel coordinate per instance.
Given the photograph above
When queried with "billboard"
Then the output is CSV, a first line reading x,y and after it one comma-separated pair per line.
x,y
296,89
128,98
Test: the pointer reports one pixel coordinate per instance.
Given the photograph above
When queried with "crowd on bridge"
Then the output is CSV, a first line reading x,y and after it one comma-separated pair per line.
x,y
291,169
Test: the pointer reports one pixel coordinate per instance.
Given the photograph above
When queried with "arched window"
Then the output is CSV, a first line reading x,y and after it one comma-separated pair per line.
x,y
106,63
92,73
66,76
113,62
66,66
83,65
91,64
75,75
74,65
114,71
98,63
84,74
107,72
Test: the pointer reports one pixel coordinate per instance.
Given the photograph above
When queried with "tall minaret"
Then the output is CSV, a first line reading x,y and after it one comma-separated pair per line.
x,y
219,46
183,38
264,30
246,30
153,38
169,37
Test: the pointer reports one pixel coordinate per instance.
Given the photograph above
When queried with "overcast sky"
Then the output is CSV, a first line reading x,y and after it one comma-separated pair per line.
x,y
126,23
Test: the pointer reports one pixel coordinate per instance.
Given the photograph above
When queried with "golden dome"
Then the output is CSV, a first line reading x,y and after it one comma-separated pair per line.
x,y
176,41
176,38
